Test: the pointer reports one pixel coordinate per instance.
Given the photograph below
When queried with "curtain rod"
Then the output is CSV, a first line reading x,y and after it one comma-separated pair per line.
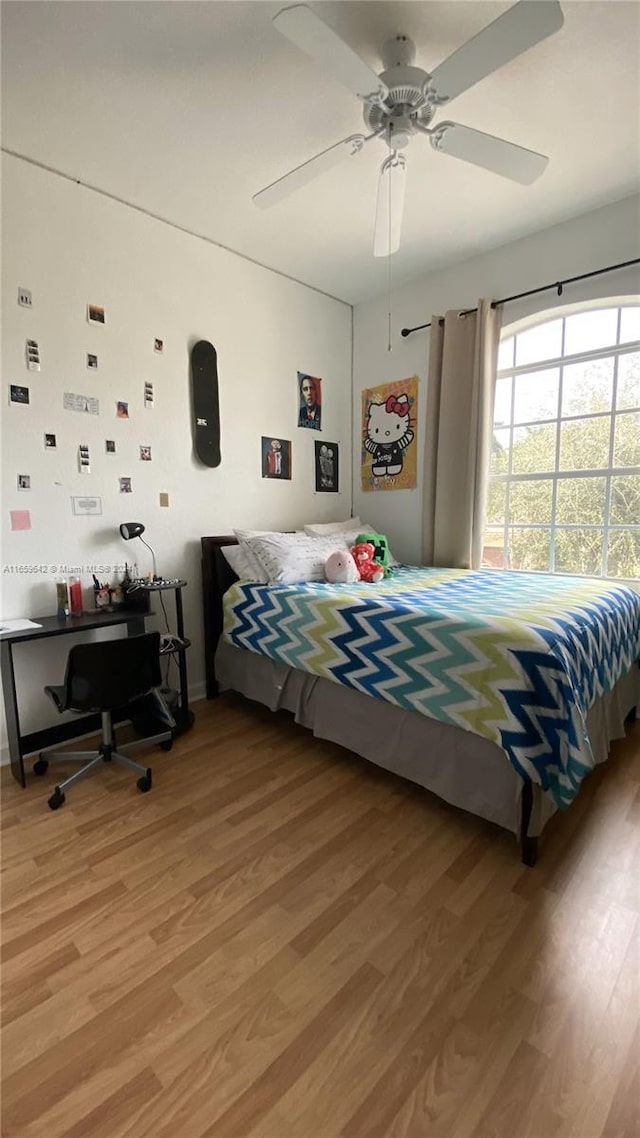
x,y
559,285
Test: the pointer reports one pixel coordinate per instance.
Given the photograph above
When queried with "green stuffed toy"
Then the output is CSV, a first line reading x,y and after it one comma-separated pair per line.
x,y
381,546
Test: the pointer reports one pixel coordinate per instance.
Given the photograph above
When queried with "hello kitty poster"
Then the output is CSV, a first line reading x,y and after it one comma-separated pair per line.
x,y
389,426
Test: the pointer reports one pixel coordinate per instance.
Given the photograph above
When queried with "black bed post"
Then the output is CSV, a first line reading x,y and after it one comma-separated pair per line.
x,y
528,845
217,576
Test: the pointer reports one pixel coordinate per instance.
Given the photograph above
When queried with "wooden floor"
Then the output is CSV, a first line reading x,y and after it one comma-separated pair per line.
x,y
281,941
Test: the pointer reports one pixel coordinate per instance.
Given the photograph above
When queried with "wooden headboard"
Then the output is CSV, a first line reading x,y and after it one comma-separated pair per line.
x,y
217,577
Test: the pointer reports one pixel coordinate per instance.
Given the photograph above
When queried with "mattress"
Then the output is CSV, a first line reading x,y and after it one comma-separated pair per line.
x,y
516,658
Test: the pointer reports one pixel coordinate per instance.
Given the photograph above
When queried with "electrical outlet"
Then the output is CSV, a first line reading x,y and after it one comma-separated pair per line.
x,y
164,499
24,298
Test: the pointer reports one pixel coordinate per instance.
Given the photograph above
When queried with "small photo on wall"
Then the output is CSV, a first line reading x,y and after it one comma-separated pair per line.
x,y
18,394
125,485
122,409
326,468
309,401
92,361
145,454
49,442
110,446
84,461
95,314
276,458
158,345
148,395
32,353
24,482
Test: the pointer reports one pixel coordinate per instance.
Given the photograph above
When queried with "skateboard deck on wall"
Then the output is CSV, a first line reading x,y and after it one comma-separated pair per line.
x,y
206,412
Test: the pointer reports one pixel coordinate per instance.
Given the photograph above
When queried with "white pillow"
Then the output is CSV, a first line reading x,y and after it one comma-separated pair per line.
x,y
255,570
289,558
333,527
349,535
241,561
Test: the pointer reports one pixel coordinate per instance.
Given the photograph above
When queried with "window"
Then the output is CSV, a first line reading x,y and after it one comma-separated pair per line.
x,y
564,489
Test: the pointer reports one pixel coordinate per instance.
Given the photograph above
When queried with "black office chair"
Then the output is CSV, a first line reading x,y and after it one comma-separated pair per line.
x,y
103,677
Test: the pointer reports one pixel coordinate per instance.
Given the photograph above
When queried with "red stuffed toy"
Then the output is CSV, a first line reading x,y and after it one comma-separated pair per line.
x,y
363,554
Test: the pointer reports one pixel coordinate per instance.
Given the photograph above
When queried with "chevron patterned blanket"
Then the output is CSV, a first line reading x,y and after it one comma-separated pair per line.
x,y
518,658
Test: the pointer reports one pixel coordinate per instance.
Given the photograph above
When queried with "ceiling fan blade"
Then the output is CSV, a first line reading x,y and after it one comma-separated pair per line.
x,y
518,29
390,205
301,175
307,31
495,154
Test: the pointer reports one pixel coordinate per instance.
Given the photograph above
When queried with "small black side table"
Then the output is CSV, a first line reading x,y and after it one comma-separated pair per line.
x,y
183,716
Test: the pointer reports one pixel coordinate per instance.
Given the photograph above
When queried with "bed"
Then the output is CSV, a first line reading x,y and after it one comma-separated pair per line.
x,y
473,685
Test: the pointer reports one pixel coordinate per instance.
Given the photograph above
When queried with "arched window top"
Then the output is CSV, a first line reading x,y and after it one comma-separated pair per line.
x,y
574,329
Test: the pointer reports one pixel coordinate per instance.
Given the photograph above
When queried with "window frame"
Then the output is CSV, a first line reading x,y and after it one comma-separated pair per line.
x,y
558,474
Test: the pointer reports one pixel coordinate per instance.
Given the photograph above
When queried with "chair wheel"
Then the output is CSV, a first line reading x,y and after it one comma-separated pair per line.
x,y
167,745
144,783
41,766
57,799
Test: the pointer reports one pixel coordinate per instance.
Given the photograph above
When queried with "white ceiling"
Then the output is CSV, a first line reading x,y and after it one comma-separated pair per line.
x,y
187,109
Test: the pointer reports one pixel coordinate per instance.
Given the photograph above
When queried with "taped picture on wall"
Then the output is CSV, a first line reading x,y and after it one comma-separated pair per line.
x,y
95,314
18,394
84,463
326,456
389,425
158,345
85,403
122,409
110,446
125,485
32,353
276,458
148,395
309,401
92,361
145,454
24,482
49,442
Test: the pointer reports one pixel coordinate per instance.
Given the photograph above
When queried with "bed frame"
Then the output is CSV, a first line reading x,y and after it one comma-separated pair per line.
x,y
217,577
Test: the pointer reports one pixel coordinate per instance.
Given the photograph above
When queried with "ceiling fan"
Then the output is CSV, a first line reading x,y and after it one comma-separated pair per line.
x,y
402,101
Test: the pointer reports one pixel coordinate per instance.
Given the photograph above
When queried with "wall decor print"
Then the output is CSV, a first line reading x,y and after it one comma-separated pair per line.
x,y
276,458
92,361
32,353
326,468
389,449
309,401
145,454
148,395
24,482
86,403
158,345
20,519
84,462
83,505
125,485
50,442
24,298
122,409
18,394
110,446
95,314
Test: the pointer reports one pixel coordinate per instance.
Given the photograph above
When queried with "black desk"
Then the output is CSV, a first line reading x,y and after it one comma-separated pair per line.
x,y
20,745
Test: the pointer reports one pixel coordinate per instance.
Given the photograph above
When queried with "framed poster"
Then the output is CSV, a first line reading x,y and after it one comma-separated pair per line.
x,y
389,423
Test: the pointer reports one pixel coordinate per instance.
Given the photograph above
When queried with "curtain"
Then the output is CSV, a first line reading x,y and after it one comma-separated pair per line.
x,y
463,358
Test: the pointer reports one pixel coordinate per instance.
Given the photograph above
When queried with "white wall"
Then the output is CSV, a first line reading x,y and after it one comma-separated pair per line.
x,y
71,246
603,237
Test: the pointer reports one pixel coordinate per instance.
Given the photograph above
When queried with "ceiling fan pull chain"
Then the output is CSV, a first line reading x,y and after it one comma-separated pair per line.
x,y
393,162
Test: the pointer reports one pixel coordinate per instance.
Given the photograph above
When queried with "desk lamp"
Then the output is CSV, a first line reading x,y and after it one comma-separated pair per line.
x,y
136,529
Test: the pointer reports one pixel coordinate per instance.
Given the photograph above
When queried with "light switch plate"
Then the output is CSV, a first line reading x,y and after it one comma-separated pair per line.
x,y
164,499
